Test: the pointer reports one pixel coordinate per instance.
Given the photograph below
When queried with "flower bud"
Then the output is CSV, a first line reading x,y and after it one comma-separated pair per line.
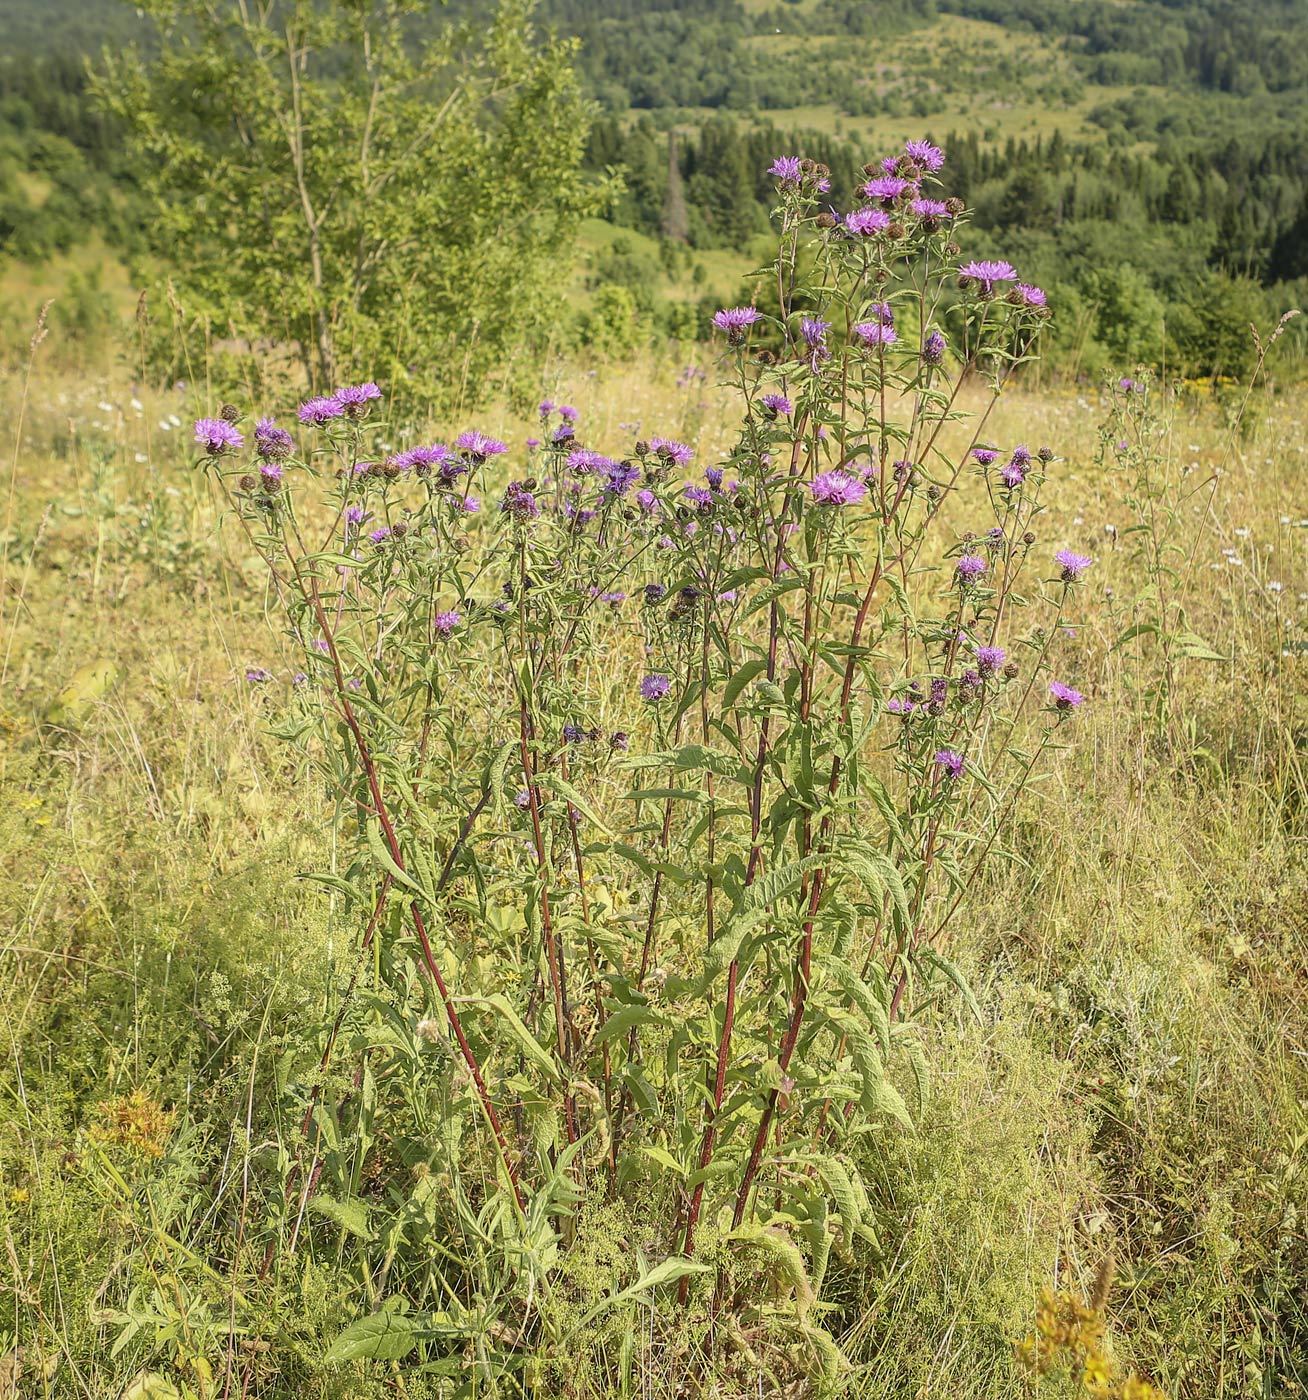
x,y
229,413
1029,537
399,529
248,483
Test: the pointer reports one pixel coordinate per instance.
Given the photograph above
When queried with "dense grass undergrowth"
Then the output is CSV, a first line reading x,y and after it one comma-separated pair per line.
x,y
1127,1081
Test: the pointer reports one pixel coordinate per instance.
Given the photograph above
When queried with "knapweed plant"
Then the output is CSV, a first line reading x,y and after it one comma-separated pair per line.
x,y
660,787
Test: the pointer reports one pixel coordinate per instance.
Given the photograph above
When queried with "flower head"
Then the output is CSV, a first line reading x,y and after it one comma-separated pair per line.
x,y
1013,474
970,568
671,450
1024,294
837,488
933,348
987,272
876,333
217,436
813,330
1065,698
272,443
519,502
787,169
867,221
985,456
950,763
317,411
931,210
777,405
478,446
736,320
1071,564
989,659
355,398
886,187
446,622
923,153
654,687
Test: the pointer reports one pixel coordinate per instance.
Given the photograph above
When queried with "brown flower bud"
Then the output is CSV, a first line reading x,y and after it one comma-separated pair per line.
x,y
399,529
248,483
229,413
1029,537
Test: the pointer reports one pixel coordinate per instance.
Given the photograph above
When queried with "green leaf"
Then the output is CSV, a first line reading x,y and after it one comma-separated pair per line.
x,y
566,790
383,1336
942,964
351,1214
528,1043
741,678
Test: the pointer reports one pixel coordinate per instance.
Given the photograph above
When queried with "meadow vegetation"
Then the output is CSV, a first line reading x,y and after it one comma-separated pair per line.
x,y
744,837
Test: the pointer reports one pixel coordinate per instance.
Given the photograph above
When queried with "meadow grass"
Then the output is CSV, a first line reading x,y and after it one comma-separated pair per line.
x,y
1132,1081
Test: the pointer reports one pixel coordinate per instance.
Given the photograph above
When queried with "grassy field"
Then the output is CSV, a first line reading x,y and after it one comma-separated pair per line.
x,y
1134,1084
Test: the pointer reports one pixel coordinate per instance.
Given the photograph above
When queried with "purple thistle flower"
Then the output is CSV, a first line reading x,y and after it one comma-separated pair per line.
x,y
256,675
882,313
713,475
271,471
970,568
620,477
1065,698
655,592
699,496
950,763
380,535
865,222
654,687
470,505
272,443
446,622
355,398
902,707
532,443
923,153
989,659
477,445
787,169
1027,295
217,436
987,273
778,405
563,433
545,408
317,411
1013,475
813,330
1021,455
933,209
1073,565
519,502
736,320
671,450
876,333
933,348
886,187
567,413
648,502
985,456
583,461
522,800
837,488
356,515
573,733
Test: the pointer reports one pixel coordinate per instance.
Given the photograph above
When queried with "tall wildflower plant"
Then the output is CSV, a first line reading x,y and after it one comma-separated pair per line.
x,y
654,936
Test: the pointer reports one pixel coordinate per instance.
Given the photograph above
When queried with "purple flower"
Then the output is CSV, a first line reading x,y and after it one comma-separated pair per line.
x,y
876,333
519,502
648,502
256,675
380,535
1073,565
1131,386
479,446
987,273
985,456
355,398
620,477
923,153
777,405
533,443
882,313
654,687
699,496
813,330
1065,698
522,800
671,450
736,320
563,433
970,568
355,515
545,408
933,209
989,659
837,488
583,461
1027,295
567,413
655,592
446,622
271,442
933,348
217,436
1021,455
317,411
713,475
787,169
900,706
950,763
867,221
1013,475
470,505
887,187
573,733
271,471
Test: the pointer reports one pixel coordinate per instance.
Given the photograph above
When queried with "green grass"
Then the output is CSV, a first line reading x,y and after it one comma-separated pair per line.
x,y
1134,1084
